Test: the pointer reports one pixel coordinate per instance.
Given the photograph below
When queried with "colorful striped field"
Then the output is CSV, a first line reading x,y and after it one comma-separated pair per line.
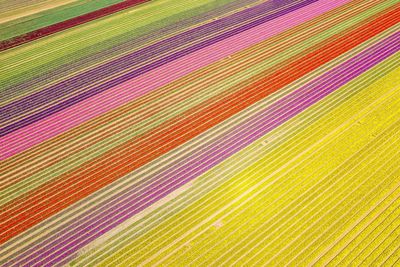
x,y
200,133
